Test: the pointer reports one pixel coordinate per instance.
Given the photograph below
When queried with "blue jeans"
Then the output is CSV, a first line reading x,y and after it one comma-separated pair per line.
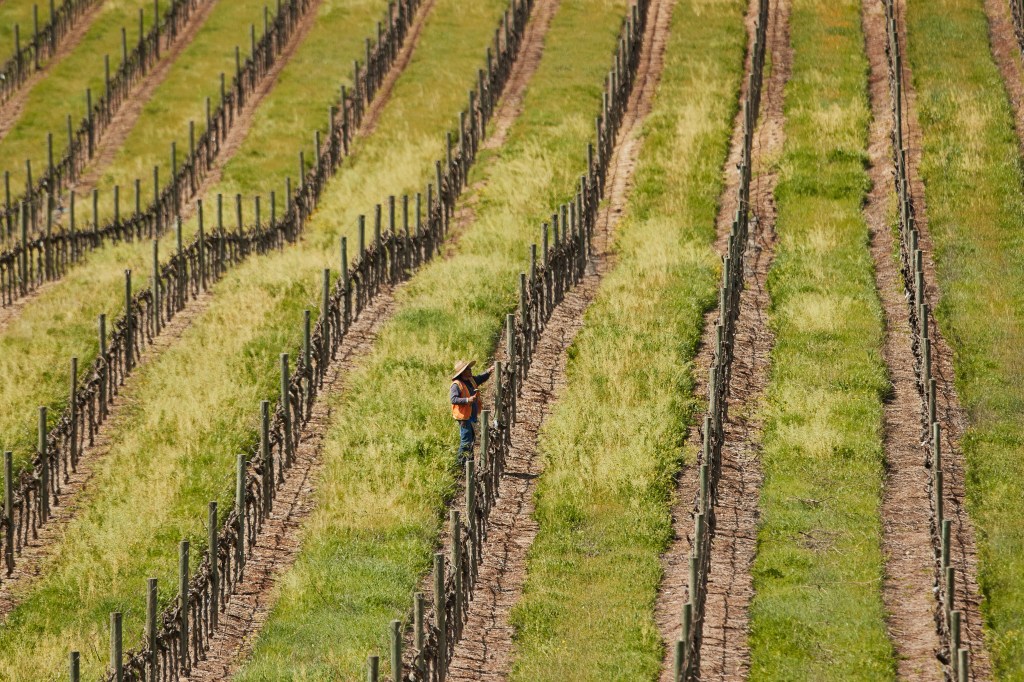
x,y
466,436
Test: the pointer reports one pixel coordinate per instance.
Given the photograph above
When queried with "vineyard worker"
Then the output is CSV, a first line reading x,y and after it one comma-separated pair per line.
x,y
466,404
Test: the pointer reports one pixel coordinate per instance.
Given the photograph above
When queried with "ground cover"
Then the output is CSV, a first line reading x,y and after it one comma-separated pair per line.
x,y
817,611
38,343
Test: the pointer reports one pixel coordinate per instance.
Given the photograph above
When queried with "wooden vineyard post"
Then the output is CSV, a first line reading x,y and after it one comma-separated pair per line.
x,y
183,604
419,606
396,650
105,370
156,285
151,616
75,668
963,665
73,405
202,244
307,353
128,327
439,615
485,441
687,625
268,460
8,510
325,317
240,511
456,531
214,544
44,469
116,646
286,404
347,299
954,639
373,669
510,341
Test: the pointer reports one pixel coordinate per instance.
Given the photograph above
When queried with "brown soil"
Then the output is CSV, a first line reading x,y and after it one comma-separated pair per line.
x,y
906,515
278,543
486,648
1006,51
724,652
951,415
31,563
10,111
124,120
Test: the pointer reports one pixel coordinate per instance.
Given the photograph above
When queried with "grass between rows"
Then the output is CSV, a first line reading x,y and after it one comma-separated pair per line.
x,y
18,12
389,453
36,348
62,91
614,441
817,612
196,405
971,168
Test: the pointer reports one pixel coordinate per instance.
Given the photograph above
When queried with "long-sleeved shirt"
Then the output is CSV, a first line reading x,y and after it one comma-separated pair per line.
x,y
456,397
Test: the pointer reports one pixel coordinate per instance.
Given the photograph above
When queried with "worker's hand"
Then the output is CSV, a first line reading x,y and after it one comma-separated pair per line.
x,y
490,370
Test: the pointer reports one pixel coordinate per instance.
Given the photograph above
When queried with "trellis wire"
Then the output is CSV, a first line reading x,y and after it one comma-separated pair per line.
x,y
687,648
189,271
44,44
955,658
45,251
177,638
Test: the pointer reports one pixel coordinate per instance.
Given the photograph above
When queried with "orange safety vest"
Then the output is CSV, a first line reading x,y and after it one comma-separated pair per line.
x,y
464,412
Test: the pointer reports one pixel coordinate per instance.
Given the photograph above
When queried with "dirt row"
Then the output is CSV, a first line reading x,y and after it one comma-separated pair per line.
x,y
950,413
724,652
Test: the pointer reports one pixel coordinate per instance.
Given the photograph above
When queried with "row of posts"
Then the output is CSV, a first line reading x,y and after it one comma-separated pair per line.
x,y
913,269
686,650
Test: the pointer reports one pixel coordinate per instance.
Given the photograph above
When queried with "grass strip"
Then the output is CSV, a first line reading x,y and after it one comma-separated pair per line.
x,y
614,440
817,612
971,169
388,470
62,92
36,347
196,405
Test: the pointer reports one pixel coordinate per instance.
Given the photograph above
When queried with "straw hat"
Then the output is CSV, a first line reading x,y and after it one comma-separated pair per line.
x,y
461,366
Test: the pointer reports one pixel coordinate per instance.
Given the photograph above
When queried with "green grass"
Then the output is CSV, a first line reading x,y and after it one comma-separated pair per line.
x,y
817,612
615,439
196,405
971,168
19,12
36,348
390,451
62,92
